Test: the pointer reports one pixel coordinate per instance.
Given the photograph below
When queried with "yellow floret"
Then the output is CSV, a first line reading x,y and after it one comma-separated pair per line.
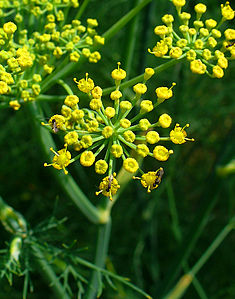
x,y
130,165
152,137
161,153
116,150
107,132
165,120
101,166
142,150
87,158
129,136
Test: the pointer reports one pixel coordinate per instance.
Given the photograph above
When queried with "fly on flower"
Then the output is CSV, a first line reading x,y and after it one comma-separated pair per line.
x,y
54,126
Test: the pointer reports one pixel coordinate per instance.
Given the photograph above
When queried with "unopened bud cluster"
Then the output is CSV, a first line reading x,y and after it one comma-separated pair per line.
x,y
200,40
36,42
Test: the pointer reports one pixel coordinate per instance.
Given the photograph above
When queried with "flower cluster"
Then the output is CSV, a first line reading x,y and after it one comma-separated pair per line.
x,y
28,56
200,41
120,131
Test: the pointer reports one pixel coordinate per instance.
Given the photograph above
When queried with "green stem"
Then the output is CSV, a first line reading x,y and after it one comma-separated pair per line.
x,y
50,98
101,254
65,86
81,9
124,20
140,78
189,242
132,36
186,279
48,273
66,182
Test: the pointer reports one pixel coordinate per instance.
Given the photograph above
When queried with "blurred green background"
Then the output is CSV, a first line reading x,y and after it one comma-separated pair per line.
x,y
150,232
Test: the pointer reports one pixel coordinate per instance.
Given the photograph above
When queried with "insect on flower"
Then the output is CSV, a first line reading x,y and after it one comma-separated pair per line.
x,y
110,179
159,175
54,126
230,44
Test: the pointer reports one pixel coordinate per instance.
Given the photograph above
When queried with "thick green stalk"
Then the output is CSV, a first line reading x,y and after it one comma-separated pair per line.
x,y
66,182
124,20
81,9
101,254
186,279
48,273
131,42
140,78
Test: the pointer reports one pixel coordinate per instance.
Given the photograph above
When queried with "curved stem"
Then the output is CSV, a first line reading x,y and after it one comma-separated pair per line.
x,y
48,273
124,20
101,253
186,279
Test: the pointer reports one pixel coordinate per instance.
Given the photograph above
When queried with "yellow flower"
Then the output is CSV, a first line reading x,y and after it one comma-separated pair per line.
x,y
223,62
71,138
165,120
86,141
110,112
15,105
199,44
218,72
129,136
161,30
142,150
60,160
92,22
160,49
87,158
148,73
164,93
101,166
9,27
229,34
197,67
77,114
115,95
125,105
130,165
97,92
191,55
178,135
57,121
146,106
168,19
116,150
95,104
144,124
109,186
74,56
161,153
140,88
151,180
227,12
206,54
210,23
4,88
200,8
178,3
175,52
152,137
71,101
107,132
85,85
118,74
125,123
